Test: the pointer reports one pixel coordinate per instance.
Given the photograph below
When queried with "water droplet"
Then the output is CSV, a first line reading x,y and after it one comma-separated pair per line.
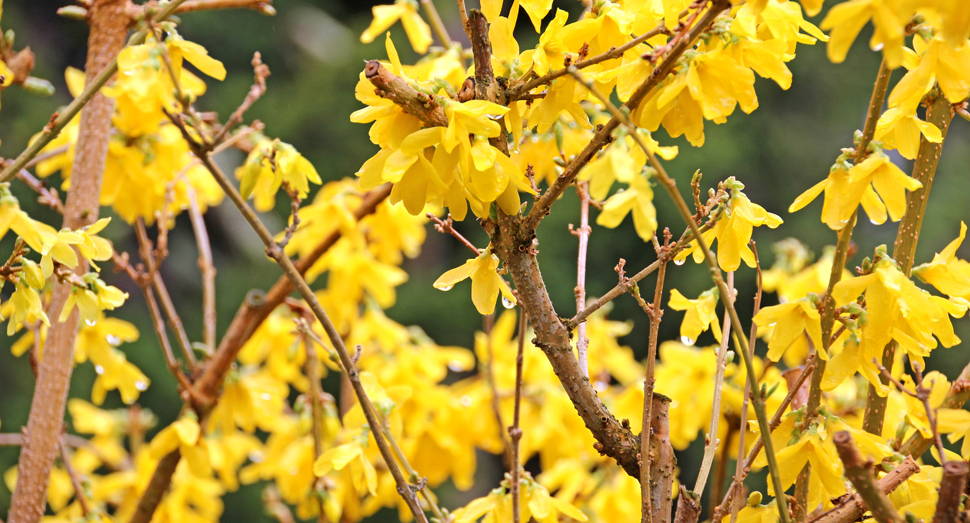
x,y
874,222
141,385
256,456
466,401
293,471
680,262
129,401
456,366
687,341
265,396
99,369
90,323
445,288
599,386
114,340
507,303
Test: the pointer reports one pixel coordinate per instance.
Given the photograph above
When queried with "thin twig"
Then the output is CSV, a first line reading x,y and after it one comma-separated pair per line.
x,y
446,226
711,442
439,27
208,270
515,431
853,507
263,6
656,315
743,424
75,480
582,342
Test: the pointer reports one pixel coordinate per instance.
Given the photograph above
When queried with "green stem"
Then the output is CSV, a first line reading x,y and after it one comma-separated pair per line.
x,y
939,112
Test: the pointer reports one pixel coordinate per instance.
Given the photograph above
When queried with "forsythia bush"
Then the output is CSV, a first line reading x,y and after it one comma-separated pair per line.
x,y
500,130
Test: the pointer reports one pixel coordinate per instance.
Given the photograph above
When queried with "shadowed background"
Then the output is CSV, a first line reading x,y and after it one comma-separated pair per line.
x,y
313,50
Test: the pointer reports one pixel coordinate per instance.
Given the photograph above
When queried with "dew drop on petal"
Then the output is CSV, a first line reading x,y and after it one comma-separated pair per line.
x,y
141,385
91,323
114,340
256,456
507,303
466,401
265,396
680,262
874,222
99,369
456,366
445,288
687,341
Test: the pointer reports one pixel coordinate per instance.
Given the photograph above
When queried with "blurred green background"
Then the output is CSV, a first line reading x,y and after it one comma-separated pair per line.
x,y
313,50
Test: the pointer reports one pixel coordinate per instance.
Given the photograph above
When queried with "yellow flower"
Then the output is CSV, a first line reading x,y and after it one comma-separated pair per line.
x,y
686,375
847,19
98,343
419,33
638,197
27,307
551,49
196,55
281,161
183,435
844,191
486,283
949,274
701,314
940,62
791,321
472,117
352,454
534,502
733,233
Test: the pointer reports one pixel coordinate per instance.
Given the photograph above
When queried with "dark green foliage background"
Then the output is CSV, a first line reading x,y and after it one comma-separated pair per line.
x,y
315,56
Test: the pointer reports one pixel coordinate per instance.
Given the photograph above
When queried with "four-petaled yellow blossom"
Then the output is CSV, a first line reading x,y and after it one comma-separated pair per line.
x,y
486,282
185,436
534,502
701,314
733,232
791,322
271,164
638,197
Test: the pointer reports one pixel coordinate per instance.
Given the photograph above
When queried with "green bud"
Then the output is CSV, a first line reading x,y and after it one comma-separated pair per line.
x,y
33,274
754,499
38,86
74,12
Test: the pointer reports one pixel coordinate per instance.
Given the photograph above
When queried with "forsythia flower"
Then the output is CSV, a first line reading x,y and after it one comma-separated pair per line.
x,y
790,322
534,502
845,190
352,454
486,283
638,197
268,166
419,33
701,314
183,435
949,274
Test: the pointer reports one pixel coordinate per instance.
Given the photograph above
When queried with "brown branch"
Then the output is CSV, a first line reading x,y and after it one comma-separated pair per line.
x,y
661,460
646,458
939,112
521,91
688,506
603,134
582,342
157,486
852,508
399,91
82,500
515,431
263,6
951,492
859,472
109,26
208,270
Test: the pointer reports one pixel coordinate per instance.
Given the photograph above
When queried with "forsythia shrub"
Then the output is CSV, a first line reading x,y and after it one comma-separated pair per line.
x,y
502,131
